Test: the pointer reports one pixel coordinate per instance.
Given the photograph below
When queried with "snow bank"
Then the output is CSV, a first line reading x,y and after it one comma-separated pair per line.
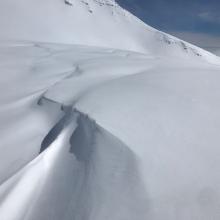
x,y
82,167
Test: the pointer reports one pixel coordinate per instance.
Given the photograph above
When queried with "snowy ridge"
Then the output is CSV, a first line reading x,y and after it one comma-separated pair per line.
x,y
90,22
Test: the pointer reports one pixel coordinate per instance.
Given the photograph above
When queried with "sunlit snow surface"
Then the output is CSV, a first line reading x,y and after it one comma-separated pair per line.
x,y
96,134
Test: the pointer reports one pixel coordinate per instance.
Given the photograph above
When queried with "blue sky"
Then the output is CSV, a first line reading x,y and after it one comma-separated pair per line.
x,y
201,16
197,21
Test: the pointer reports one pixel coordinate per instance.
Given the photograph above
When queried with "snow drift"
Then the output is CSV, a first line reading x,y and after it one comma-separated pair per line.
x,y
110,130
126,132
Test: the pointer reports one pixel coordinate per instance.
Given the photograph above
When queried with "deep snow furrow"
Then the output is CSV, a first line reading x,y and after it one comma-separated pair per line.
x,y
59,126
108,168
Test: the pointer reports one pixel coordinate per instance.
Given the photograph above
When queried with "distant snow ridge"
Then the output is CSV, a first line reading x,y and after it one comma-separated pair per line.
x,y
186,47
102,23
110,3
106,2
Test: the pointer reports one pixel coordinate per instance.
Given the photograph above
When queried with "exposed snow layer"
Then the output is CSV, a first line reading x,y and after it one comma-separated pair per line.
x,y
89,22
92,134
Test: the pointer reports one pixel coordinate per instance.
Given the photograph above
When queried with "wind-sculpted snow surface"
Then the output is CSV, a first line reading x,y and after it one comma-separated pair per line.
x,y
86,173
97,134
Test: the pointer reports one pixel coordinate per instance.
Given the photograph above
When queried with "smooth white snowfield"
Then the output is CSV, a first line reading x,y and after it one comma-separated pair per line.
x,y
121,135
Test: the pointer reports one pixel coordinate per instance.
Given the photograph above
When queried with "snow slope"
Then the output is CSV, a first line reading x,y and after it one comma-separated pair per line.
x,y
88,131
129,131
88,22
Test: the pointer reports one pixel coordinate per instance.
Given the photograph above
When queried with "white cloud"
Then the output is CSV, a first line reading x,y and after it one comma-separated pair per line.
x,y
209,17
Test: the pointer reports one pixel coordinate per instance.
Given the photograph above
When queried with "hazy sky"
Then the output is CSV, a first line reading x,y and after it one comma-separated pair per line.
x,y
194,20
